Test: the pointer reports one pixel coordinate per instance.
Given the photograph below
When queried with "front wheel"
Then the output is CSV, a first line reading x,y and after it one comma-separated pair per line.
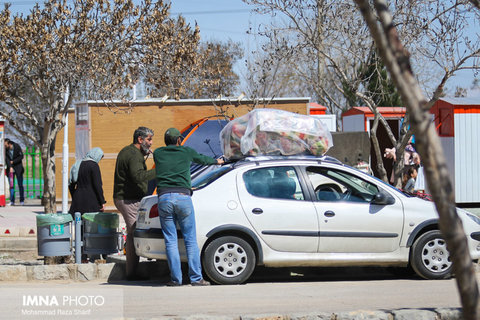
x,y
429,256
229,260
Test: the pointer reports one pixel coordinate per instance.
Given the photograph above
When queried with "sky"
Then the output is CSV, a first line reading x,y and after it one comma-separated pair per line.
x,y
230,19
227,20
218,19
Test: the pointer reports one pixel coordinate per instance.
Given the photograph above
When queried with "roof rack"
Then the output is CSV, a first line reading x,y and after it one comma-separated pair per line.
x,y
293,157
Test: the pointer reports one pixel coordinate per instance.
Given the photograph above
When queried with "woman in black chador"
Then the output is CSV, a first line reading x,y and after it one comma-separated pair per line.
x,y
85,184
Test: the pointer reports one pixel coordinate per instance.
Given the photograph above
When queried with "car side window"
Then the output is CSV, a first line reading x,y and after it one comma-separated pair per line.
x,y
336,185
273,182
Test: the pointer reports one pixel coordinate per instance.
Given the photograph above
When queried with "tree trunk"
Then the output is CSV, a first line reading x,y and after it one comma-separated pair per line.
x,y
48,164
441,188
398,167
376,147
397,61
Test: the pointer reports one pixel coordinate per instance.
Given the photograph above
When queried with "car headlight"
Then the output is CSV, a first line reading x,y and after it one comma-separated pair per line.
x,y
474,218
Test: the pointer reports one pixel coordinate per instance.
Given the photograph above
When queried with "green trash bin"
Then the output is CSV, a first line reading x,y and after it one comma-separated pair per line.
x,y
100,234
53,234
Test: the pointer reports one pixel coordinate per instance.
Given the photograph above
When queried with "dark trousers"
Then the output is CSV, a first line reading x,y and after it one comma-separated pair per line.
x,y
19,177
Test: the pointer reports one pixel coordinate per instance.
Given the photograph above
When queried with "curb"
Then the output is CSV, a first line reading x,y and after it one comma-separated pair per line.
x,y
113,271
400,314
18,243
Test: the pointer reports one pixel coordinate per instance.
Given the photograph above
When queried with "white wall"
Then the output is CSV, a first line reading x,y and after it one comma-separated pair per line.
x,y
354,123
448,145
467,157
329,120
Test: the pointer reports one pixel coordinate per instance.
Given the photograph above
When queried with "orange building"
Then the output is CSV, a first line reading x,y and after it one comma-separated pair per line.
x,y
111,126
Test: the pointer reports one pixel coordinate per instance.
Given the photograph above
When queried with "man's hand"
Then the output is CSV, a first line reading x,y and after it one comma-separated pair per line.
x,y
220,161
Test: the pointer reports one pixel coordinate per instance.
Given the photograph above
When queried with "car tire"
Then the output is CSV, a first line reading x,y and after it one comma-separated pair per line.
x,y
429,256
229,260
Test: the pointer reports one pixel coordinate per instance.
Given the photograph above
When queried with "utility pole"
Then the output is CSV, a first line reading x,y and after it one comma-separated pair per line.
x,y
65,159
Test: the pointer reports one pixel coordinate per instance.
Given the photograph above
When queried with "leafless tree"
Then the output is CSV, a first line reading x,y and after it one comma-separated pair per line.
x,y
212,75
59,51
326,49
397,59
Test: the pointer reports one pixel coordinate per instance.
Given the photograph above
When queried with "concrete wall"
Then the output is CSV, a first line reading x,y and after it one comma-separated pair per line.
x,y
349,147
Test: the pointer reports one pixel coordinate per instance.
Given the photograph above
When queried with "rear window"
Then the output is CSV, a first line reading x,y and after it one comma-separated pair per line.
x,y
209,174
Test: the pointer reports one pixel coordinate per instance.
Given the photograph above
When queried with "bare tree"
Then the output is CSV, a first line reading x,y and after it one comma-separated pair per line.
x,y
397,59
329,50
212,75
94,47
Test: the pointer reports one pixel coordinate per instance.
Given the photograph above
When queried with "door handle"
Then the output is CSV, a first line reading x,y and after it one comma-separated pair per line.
x,y
257,211
329,213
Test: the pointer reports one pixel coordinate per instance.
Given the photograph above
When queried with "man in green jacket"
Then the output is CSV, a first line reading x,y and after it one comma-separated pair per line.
x,y
130,186
172,165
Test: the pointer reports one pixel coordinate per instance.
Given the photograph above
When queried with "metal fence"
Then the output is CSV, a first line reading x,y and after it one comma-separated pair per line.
x,y
33,176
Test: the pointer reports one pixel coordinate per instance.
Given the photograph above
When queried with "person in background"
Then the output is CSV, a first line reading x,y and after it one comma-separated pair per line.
x,y
8,174
130,186
14,157
172,165
5,144
411,175
86,187
85,184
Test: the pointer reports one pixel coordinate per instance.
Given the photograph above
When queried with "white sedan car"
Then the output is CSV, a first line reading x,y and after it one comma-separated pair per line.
x,y
304,211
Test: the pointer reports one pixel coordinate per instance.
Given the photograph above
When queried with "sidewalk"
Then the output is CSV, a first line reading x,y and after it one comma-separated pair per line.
x,y
20,221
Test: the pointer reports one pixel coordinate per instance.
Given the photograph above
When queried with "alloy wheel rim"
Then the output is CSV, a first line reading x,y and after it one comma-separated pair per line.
x,y
230,260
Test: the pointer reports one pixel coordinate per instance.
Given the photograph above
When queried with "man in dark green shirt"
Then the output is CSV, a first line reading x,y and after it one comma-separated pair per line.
x,y
130,186
172,165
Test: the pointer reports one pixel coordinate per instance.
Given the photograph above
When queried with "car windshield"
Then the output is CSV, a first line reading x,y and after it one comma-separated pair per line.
x,y
386,185
207,175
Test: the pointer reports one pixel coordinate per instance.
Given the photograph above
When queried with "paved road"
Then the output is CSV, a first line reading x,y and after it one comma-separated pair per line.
x,y
267,294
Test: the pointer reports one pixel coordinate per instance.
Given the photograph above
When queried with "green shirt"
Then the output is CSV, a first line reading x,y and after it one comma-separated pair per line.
x,y
172,165
131,174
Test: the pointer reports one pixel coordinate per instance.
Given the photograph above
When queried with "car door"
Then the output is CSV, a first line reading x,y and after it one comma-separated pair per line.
x,y
274,203
348,221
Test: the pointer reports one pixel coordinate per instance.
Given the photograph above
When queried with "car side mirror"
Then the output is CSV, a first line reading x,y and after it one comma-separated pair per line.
x,y
382,198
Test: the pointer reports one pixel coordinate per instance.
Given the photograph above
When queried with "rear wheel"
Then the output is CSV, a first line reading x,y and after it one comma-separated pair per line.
x,y
429,256
229,260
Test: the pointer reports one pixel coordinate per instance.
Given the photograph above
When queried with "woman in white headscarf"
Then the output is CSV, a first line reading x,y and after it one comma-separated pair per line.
x,y
85,184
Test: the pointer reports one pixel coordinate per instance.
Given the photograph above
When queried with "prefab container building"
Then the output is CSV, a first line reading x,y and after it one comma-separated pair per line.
x,y
458,124
361,119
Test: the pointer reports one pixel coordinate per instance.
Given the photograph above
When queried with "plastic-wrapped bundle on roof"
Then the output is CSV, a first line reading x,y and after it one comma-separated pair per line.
x,y
274,132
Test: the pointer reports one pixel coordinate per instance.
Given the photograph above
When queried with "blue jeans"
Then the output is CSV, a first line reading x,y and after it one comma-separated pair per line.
x,y
178,208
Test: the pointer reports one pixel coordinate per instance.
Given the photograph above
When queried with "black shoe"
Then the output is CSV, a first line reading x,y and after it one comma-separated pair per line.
x,y
173,284
137,278
201,283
